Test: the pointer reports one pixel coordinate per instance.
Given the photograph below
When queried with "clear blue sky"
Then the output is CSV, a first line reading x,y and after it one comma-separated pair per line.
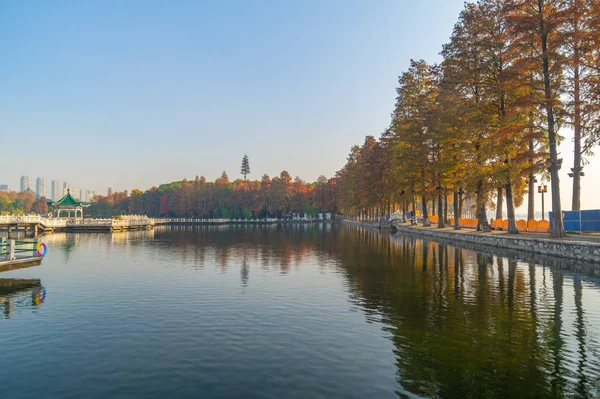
x,y
130,94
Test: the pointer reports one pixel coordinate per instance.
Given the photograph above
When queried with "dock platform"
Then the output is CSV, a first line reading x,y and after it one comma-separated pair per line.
x,y
19,254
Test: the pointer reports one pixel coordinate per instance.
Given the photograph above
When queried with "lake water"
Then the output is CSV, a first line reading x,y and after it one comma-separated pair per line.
x,y
320,311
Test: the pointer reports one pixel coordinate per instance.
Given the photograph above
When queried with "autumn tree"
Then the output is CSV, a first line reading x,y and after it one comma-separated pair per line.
x,y
582,74
538,31
322,183
469,119
412,121
40,206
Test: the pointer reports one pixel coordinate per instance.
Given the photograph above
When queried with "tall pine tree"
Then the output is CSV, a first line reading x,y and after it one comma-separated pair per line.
x,y
245,166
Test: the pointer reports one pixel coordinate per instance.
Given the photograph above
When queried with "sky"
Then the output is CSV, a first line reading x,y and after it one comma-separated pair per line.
x,y
138,93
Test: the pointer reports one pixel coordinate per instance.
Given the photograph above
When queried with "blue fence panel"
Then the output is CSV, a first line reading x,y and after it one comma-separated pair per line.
x,y
571,216
572,220
590,215
572,225
584,221
590,220
590,225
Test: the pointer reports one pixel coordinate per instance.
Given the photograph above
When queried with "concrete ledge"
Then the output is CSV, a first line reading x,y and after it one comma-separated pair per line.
x,y
568,248
529,255
21,263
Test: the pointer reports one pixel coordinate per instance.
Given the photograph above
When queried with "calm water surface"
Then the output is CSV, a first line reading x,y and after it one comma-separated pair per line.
x,y
331,311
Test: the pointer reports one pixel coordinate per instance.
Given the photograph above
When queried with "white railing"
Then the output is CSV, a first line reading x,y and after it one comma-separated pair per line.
x,y
123,221
16,219
212,221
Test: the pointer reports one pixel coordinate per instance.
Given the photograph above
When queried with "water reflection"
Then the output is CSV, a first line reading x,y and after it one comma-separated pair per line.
x,y
469,324
20,294
463,321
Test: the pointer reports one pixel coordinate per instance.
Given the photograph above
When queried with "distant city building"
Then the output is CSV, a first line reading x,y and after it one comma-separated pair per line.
x,y
66,185
25,183
3,187
76,193
40,186
57,190
109,192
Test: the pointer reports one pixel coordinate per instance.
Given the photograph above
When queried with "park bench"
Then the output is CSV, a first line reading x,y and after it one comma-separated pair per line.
x,y
485,227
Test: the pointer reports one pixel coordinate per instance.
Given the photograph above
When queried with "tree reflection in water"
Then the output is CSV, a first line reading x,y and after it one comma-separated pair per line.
x,y
464,322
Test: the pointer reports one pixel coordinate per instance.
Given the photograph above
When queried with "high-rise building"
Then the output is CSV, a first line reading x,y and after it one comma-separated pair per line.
x,y
3,187
25,183
57,190
66,185
109,192
76,193
40,186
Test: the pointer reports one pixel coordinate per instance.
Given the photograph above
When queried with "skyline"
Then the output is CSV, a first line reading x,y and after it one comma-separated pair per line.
x,y
166,93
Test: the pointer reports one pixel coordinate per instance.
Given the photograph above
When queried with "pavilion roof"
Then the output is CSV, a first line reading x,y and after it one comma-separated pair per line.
x,y
68,200
36,195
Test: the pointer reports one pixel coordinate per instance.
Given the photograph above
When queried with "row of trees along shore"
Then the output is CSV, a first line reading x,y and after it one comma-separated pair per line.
x,y
198,198
486,120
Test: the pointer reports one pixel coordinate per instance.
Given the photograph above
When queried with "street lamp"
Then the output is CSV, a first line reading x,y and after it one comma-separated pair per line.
x,y
543,189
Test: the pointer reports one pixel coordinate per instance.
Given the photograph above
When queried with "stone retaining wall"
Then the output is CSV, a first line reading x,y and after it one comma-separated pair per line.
x,y
582,251
567,263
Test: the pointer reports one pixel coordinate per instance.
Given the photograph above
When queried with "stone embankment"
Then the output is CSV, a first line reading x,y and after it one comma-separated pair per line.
x,y
576,247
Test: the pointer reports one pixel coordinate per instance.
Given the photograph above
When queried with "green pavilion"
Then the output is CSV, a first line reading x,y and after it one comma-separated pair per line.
x,y
68,207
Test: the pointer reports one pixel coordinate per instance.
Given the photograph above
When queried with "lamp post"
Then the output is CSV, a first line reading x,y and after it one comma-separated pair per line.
x,y
543,189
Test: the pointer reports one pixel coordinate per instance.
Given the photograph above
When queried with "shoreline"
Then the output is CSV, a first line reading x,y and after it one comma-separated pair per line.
x,y
569,248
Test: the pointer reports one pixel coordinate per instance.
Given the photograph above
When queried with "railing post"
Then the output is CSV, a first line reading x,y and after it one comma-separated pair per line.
x,y
11,249
35,242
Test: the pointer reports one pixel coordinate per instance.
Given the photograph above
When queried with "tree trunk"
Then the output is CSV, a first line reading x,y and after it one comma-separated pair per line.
x,y
531,196
460,203
414,202
445,207
433,206
424,199
499,204
577,168
425,213
558,228
441,223
480,205
456,210
510,210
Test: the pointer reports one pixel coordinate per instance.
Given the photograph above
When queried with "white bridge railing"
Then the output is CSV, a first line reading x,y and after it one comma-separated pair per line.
x,y
122,221
212,221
